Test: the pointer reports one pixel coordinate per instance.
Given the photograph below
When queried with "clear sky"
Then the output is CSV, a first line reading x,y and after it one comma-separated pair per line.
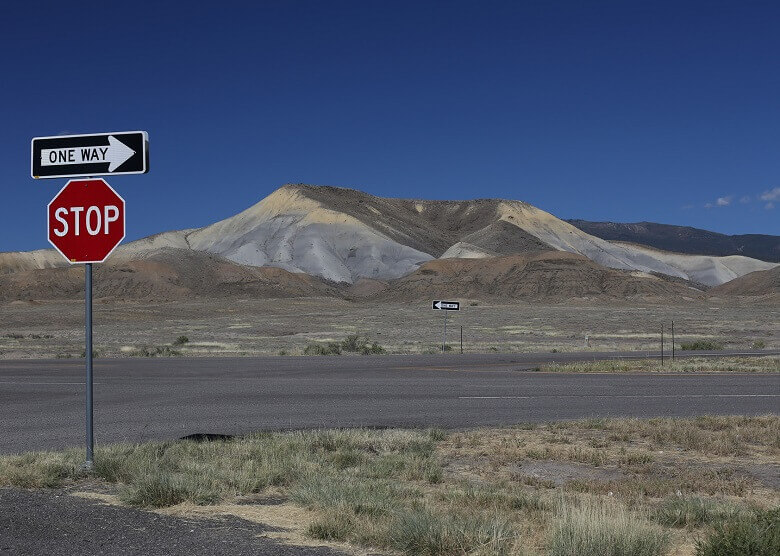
x,y
624,111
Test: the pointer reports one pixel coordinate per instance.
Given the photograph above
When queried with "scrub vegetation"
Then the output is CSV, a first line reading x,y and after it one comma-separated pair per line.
x,y
710,345
601,486
254,326
351,344
681,365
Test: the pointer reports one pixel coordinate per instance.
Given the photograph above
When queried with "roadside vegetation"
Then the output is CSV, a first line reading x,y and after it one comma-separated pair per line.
x,y
601,487
704,345
681,365
353,343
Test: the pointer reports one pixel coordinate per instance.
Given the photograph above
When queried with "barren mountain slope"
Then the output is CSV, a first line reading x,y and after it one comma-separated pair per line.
x,y
549,276
165,274
344,235
759,283
705,269
17,261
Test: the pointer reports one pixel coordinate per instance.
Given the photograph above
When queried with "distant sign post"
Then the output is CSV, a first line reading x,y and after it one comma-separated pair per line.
x,y
445,306
86,219
103,154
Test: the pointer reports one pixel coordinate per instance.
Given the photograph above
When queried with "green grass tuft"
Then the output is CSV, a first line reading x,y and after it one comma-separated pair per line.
x,y
695,511
601,530
424,532
755,535
333,526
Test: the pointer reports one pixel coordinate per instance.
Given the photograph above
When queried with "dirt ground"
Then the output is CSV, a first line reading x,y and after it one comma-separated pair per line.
x,y
247,327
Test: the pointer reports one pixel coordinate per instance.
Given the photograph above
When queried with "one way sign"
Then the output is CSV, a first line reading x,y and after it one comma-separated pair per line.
x,y
104,154
447,305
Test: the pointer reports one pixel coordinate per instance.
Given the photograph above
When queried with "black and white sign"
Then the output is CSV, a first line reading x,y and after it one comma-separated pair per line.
x,y
447,305
103,154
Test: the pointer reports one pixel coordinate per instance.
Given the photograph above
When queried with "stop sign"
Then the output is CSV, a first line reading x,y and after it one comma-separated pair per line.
x,y
86,221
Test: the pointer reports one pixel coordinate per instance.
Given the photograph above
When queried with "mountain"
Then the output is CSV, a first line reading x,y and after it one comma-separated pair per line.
x,y
343,235
684,239
548,276
759,283
337,237
165,274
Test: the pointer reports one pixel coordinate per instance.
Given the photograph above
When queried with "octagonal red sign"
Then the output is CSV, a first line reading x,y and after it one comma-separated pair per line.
x,y
86,221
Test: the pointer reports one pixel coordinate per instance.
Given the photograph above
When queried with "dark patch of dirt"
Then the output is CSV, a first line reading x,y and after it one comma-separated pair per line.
x,y
561,473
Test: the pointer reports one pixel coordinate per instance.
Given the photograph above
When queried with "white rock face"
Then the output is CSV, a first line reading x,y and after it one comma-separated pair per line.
x,y
293,232
464,250
561,235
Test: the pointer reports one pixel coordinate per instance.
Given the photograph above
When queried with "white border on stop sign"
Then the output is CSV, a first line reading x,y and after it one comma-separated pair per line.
x,y
124,221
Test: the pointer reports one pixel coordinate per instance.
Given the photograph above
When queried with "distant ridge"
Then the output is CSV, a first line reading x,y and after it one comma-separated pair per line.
x,y
684,239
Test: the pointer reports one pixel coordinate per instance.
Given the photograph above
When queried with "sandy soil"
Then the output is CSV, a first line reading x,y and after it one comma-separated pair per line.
x,y
272,326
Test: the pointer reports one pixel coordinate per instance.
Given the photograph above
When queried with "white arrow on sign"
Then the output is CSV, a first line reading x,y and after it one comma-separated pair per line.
x,y
115,153
445,305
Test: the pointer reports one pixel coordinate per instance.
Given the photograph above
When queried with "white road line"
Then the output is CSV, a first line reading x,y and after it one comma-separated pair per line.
x,y
494,397
40,383
622,396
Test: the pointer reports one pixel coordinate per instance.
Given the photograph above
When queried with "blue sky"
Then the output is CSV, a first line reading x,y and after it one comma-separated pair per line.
x,y
622,111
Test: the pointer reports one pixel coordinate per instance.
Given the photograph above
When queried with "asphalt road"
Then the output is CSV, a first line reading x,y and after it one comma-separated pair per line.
x,y
51,523
42,401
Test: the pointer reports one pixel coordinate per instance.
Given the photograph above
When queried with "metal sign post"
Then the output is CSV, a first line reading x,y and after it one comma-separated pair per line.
x,y
86,219
662,345
444,343
445,306
88,356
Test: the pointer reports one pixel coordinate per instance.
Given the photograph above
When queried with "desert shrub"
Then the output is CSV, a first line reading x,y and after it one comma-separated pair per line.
x,y
708,345
756,534
759,344
598,530
155,351
373,349
331,348
181,340
354,343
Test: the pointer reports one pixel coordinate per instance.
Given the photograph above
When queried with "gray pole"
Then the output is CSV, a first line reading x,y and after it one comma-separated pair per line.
x,y
662,345
461,340
672,340
444,344
88,357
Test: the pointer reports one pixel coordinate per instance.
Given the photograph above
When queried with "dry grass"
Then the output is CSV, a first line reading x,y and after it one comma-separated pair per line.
x,y
769,364
229,327
584,487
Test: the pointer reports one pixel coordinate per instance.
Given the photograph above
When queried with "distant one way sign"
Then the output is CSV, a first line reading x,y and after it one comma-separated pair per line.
x,y
447,305
104,154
